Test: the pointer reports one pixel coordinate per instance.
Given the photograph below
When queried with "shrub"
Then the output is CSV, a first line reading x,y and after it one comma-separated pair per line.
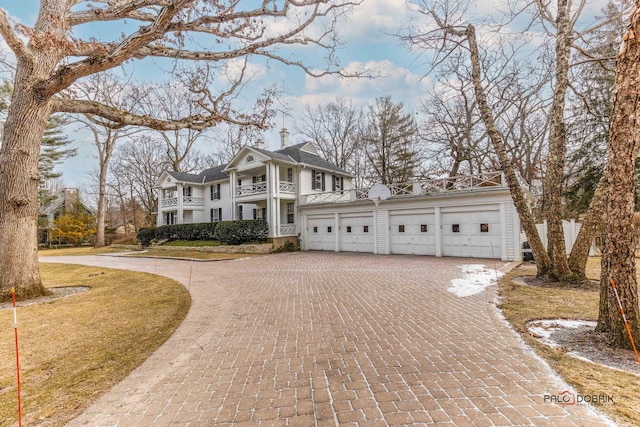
x,y
241,231
288,246
146,235
200,231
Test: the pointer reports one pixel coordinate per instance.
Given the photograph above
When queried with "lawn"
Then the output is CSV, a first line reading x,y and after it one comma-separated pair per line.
x,y
522,303
75,348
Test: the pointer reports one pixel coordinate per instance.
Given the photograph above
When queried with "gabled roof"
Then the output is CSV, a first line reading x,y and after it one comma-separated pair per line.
x,y
301,153
208,175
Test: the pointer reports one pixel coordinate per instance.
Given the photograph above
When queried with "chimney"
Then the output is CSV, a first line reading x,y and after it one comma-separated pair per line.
x,y
259,143
71,199
284,138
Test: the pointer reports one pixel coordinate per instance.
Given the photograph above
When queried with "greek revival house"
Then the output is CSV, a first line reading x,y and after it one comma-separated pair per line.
x,y
302,195
255,184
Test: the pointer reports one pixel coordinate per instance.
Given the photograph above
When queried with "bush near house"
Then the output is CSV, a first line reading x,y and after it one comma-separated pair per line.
x,y
73,228
227,232
242,231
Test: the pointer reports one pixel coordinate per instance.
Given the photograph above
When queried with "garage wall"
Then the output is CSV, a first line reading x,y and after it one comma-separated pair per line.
x,y
460,225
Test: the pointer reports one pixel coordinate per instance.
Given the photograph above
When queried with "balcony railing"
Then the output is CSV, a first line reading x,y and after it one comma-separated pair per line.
x,y
287,187
249,189
186,201
288,230
418,188
192,201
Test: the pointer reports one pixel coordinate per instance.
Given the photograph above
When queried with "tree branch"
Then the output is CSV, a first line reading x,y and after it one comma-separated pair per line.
x,y
17,46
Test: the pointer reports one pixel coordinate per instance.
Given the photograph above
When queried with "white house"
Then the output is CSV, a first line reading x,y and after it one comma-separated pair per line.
x,y
255,184
301,195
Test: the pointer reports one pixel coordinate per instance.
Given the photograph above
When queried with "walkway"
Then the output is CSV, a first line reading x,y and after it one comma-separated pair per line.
x,y
321,339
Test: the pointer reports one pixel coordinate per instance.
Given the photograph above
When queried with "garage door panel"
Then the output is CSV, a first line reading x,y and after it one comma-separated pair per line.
x,y
412,234
356,234
471,234
321,234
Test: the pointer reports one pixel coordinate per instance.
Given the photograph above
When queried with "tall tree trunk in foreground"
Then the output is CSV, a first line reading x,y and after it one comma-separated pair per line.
x,y
558,148
580,250
618,259
543,261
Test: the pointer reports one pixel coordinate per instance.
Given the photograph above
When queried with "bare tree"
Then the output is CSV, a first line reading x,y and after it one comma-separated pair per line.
x,y
231,139
52,58
335,129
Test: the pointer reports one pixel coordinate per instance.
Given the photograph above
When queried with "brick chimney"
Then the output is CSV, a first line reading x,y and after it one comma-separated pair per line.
x,y
71,199
284,138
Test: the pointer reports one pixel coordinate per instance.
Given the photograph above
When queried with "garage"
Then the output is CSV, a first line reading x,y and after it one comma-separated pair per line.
x,y
321,234
412,233
474,234
356,233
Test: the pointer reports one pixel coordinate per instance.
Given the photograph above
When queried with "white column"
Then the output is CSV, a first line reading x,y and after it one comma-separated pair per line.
x,y
232,196
336,223
438,221
180,212
503,231
272,208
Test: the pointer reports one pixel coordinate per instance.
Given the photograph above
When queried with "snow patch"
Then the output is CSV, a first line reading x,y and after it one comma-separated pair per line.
x,y
543,329
475,280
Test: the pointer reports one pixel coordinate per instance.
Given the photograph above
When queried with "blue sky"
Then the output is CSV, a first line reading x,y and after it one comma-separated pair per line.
x,y
369,42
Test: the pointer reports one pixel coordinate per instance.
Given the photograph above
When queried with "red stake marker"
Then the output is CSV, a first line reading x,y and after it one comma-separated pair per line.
x,y
15,330
626,324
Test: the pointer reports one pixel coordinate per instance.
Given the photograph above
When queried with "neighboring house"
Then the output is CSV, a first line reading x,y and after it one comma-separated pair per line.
x,y
255,184
300,194
65,201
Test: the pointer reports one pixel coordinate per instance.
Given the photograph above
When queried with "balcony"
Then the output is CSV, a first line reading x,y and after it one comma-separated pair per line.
x,y
186,201
287,187
251,189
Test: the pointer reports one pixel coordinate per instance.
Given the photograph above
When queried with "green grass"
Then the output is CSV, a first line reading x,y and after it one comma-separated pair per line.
x,y
74,349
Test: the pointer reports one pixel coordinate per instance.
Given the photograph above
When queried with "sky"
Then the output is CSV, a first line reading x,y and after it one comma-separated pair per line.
x,y
369,40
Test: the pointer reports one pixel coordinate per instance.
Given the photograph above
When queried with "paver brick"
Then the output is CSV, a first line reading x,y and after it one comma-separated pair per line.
x,y
313,338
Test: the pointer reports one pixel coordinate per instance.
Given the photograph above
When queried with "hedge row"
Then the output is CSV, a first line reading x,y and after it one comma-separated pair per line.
x,y
228,232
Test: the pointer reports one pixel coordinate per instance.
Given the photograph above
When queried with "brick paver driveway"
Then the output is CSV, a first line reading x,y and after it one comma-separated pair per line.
x,y
320,339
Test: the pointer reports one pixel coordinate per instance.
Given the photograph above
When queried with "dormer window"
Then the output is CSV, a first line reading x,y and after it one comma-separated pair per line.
x,y
250,159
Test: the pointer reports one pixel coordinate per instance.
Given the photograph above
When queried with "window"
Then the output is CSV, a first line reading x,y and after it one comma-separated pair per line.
x,y
336,183
423,228
259,178
216,215
289,174
315,229
250,159
348,229
239,212
484,228
290,213
455,228
365,228
260,213
317,180
186,191
170,218
215,192
329,229
401,229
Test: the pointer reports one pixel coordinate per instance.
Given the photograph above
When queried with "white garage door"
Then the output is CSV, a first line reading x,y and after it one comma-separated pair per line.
x,y
412,234
471,234
321,234
356,233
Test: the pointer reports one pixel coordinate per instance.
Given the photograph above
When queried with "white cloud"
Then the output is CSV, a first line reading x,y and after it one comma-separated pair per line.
x,y
374,19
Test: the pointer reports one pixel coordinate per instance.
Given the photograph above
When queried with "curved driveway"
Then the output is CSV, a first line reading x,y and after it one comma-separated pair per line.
x,y
315,339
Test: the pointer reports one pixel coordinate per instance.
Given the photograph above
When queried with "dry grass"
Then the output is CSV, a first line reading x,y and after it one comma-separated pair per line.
x,y
75,348
161,253
84,250
521,303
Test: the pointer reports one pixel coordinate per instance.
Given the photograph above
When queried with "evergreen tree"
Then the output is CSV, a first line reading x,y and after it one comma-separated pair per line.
x,y
53,151
390,139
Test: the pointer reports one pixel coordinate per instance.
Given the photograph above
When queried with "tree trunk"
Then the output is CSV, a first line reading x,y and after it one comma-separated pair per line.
x,y
23,130
543,261
102,205
580,251
557,149
618,261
